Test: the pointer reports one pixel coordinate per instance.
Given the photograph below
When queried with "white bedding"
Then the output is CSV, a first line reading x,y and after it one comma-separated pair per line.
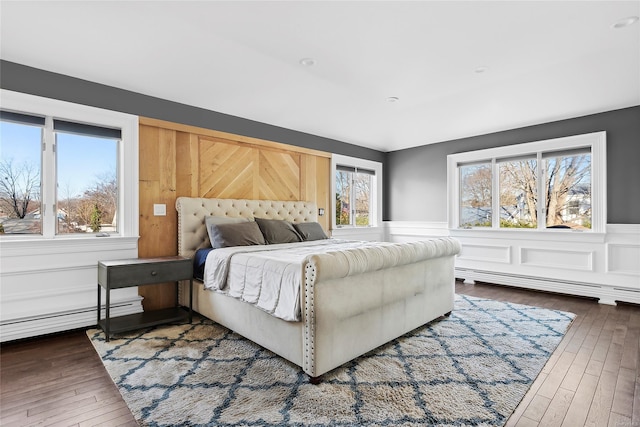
x,y
269,276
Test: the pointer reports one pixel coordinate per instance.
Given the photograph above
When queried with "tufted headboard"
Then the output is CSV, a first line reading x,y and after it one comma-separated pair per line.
x,y
192,232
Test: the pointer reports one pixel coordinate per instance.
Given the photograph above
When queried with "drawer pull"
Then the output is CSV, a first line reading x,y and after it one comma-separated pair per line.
x,y
154,273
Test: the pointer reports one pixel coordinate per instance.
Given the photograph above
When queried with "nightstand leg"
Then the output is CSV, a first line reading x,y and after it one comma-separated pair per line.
x,y
99,301
190,300
107,318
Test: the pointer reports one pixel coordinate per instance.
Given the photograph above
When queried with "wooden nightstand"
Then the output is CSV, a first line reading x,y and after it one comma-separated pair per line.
x,y
126,273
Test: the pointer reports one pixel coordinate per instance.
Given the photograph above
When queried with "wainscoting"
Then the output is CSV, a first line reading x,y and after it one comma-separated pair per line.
x,y
51,285
605,266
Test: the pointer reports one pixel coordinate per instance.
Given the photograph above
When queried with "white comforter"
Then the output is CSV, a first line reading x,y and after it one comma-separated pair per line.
x,y
269,276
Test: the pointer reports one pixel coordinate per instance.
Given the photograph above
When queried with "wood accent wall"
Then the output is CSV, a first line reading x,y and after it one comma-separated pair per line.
x,y
180,160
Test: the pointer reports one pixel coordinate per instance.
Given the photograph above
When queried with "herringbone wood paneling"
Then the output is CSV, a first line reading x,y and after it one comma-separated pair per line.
x,y
226,170
179,160
279,175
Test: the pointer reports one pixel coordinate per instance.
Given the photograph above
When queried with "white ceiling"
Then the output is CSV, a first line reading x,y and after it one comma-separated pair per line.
x,y
545,60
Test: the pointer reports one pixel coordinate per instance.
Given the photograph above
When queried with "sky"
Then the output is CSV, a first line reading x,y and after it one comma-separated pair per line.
x,y
82,160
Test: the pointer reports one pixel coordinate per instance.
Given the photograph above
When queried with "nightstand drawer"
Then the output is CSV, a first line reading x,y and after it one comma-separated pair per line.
x,y
144,272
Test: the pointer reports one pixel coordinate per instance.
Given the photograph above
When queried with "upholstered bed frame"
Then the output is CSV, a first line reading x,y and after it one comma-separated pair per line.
x,y
347,309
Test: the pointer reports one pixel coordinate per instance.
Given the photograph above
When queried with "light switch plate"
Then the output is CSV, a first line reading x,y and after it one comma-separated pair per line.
x,y
159,210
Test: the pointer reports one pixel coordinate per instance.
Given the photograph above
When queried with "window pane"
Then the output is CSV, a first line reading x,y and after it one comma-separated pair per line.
x,y
475,195
20,166
362,187
87,188
568,191
518,194
343,196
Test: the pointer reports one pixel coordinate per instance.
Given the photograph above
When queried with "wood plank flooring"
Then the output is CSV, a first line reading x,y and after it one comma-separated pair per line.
x,y
592,379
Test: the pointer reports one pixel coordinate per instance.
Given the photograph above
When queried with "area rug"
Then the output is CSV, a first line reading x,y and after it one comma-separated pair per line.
x,y
472,368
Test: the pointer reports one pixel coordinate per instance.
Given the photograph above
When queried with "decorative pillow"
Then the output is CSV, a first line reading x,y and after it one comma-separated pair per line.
x,y
199,259
217,220
239,234
278,231
310,231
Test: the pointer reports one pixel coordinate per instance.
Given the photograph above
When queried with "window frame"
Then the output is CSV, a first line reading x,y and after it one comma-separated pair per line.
x,y
595,141
127,159
376,193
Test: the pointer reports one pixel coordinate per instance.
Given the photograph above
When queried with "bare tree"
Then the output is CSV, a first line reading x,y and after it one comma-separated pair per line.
x,y
519,178
103,196
477,187
19,187
564,176
362,190
69,204
476,195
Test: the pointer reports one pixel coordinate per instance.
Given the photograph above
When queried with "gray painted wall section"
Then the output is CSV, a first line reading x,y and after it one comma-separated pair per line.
x,y
416,178
21,78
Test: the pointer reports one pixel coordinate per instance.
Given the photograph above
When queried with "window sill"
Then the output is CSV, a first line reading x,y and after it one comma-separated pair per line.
x,y
350,231
540,235
37,245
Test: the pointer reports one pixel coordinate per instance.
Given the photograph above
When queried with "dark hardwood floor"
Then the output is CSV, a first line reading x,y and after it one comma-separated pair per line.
x,y
593,378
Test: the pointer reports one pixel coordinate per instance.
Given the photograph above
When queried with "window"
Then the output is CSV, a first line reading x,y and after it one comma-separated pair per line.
x,y
20,166
357,188
475,196
67,170
544,185
518,192
87,183
353,196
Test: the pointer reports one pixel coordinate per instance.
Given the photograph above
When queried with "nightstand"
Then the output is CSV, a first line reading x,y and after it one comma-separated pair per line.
x,y
126,273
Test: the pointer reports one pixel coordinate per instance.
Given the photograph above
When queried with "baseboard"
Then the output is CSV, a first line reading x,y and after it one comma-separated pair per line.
x,y
15,329
604,293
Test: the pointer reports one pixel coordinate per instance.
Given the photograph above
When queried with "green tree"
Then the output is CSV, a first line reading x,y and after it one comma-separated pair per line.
x,y
96,219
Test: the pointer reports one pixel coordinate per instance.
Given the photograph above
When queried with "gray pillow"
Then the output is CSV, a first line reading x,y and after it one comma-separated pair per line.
x,y
278,231
310,231
216,220
239,234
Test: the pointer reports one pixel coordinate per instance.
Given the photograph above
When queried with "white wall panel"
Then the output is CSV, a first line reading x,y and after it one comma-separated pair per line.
x,y
564,259
51,286
605,266
623,258
486,253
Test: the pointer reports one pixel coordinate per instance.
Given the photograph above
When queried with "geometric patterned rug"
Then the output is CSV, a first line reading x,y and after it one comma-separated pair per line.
x,y
472,368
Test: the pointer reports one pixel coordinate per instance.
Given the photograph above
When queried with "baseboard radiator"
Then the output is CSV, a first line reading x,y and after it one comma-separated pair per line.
x,y
15,329
603,293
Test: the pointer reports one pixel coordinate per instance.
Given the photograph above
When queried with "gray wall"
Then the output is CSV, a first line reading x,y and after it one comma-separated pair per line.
x,y
21,78
415,185
416,178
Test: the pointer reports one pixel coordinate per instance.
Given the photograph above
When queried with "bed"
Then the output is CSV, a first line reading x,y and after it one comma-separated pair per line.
x,y
350,301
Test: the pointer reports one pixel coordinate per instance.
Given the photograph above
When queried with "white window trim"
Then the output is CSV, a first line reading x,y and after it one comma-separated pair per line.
x,y
127,156
376,203
597,142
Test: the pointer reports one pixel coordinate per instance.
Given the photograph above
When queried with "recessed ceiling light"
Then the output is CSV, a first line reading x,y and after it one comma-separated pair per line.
x,y
480,70
393,99
625,22
308,62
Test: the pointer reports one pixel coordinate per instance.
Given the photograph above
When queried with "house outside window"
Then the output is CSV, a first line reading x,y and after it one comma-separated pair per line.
x,y
64,169
543,185
357,185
